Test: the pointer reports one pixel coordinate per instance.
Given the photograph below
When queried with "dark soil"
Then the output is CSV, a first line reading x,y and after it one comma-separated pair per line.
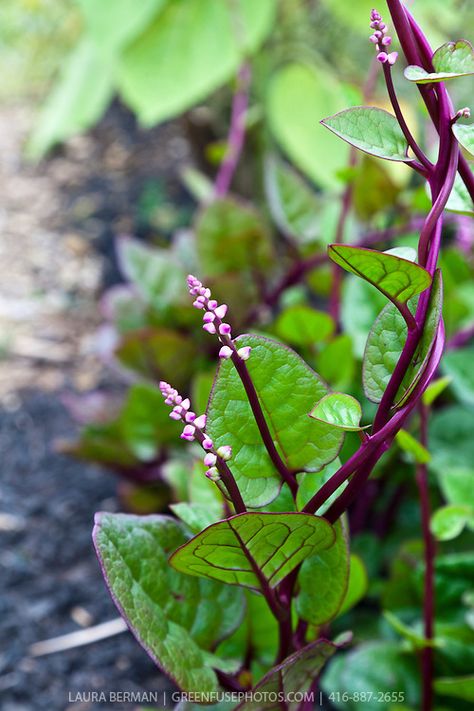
x,y
49,573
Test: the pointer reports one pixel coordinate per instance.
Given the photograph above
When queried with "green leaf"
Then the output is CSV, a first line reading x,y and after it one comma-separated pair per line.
x,y
197,516
301,325
460,200
158,354
111,24
385,344
145,421
361,304
336,362
309,484
187,52
242,548
465,135
411,446
298,96
451,60
79,99
448,522
398,279
339,410
371,130
176,618
457,364
452,443
408,633
435,389
292,678
293,205
154,272
377,667
287,388
455,482
357,585
323,581
461,687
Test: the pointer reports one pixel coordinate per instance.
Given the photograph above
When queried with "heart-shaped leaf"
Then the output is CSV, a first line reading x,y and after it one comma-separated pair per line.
x,y
371,130
287,388
385,344
451,60
339,410
176,618
323,580
465,135
290,679
397,278
302,325
253,548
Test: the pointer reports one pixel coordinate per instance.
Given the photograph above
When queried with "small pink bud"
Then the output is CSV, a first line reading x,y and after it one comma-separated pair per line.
x,y
208,317
382,57
188,433
190,416
221,311
225,452
210,459
374,39
169,401
186,404
212,305
200,421
213,474
374,25
175,415
225,352
392,57
225,329
207,443
244,353
199,303
210,328
387,41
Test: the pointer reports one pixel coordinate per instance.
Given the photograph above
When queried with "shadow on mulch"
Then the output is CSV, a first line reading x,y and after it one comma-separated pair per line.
x,y
49,573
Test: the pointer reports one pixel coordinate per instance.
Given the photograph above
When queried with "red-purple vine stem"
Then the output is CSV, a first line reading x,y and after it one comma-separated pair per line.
x,y
236,137
430,551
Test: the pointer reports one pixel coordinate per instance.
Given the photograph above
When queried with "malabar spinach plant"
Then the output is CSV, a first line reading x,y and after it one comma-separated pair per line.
x,y
247,588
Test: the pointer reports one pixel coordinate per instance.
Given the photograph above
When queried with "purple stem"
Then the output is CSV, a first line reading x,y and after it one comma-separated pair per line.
x,y
236,138
429,552
461,338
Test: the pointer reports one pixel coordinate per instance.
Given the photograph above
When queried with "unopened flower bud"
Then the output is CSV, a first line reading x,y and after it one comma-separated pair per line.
x,y
225,452
387,41
210,459
225,329
212,305
210,328
225,352
208,317
392,57
200,421
213,474
188,433
207,443
175,414
244,353
190,416
382,57
221,311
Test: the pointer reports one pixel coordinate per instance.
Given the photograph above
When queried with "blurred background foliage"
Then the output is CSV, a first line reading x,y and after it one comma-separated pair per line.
x,y
261,249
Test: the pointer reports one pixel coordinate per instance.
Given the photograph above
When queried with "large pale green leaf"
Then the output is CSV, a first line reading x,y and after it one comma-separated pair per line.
x,y
361,304
323,581
244,547
197,516
299,95
178,619
456,482
465,135
336,362
371,130
339,410
457,365
357,585
448,522
293,205
451,60
461,687
189,50
397,278
452,443
460,200
79,99
113,23
377,667
302,325
292,678
287,389
155,273
385,344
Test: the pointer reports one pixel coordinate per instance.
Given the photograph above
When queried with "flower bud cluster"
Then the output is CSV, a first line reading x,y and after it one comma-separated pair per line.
x,y
194,428
381,39
213,319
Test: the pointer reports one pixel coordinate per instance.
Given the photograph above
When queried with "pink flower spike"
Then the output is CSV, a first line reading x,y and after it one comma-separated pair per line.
x,y
225,329
244,353
210,328
382,57
225,452
207,443
190,416
200,422
188,433
210,459
221,311
212,305
225,352
208,317
392,57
